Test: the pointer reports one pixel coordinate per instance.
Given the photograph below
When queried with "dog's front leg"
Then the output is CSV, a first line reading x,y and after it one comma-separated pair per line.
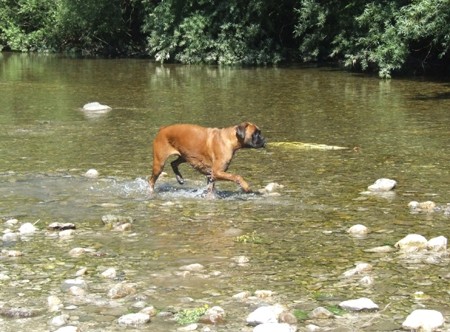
x,y
221,175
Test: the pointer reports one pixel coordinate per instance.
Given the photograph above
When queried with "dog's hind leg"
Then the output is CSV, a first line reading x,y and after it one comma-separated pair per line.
x,y
175,169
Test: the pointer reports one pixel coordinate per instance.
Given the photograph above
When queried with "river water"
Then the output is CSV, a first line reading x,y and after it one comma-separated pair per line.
x,y
295,240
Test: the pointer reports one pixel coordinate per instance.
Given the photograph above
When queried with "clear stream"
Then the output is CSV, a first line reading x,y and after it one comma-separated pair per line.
x,y
297,244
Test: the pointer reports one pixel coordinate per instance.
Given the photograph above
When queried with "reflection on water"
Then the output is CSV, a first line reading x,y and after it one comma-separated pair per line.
x,y
396,129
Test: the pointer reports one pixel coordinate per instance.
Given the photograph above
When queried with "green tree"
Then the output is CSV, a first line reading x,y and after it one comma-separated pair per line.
x,y
215,31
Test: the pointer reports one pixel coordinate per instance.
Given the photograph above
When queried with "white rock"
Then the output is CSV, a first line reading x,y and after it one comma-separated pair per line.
x,y
266,314
412,242
10,237
11,222
437,243
262,293
358,230
192,267
68,328
121,290
383,185
187,328
366,280
27,229
240,260
110,273
413,205
134,319
275,327
59,320
358,269
241,295
359,304
4,277
91,173
96,107
424,320
66,234
67,284
54,303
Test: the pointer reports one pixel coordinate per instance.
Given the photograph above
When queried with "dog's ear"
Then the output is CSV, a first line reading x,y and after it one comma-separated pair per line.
x,y
240,131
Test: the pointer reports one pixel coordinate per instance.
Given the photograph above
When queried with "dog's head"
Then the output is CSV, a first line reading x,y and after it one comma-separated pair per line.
x,y
250,136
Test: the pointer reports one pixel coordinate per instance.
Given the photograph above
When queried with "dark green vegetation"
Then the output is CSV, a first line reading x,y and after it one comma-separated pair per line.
x,y
385,36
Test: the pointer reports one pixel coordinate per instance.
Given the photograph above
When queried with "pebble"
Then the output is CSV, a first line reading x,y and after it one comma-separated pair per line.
x,y
437,243
263,293
59,320
10,237
358,269
54,303
66,234
213,315
381,249
265,314
96,107
67,284
424,320
359,304
382,185
240,260
241,295
192,267
110,273
321,313
61,226
271,189
27,229
427,206
412,242
187,328
134,319
121,290
91,173
358,230
11,222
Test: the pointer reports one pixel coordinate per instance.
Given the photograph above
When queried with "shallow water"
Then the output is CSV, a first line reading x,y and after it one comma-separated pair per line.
x,y
396,129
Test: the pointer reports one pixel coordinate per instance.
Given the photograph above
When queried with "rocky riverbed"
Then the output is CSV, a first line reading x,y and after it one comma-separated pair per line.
x,y
63,276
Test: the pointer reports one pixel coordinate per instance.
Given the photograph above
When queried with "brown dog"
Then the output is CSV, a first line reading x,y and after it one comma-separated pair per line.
x,y
208,150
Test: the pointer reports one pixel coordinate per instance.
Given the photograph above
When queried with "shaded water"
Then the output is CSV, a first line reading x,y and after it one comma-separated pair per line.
x,y
396,129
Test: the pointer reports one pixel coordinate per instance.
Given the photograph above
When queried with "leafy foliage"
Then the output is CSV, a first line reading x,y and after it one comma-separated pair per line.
x,y
215,31
384,36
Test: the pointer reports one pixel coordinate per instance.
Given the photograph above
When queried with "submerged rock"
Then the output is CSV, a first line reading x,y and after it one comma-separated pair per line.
x,y
196,267
424,320
358,269
382,184
121,290
271,189
427,206
134,319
